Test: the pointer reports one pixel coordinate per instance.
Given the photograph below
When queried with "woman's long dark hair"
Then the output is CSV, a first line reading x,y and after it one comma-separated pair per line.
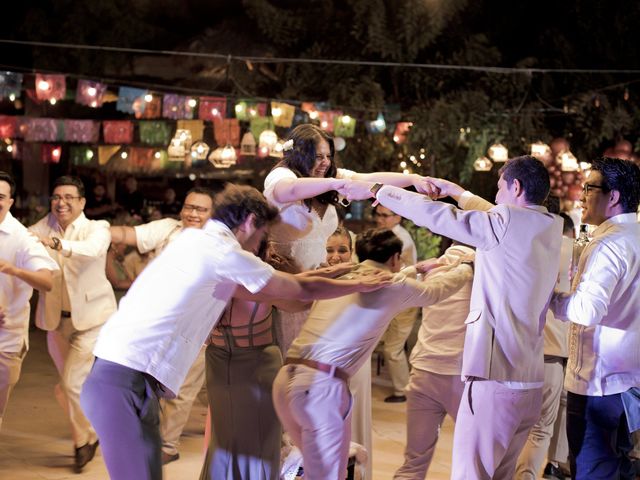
x,y
301,157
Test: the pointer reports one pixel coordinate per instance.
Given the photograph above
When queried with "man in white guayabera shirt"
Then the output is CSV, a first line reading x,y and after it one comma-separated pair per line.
x,y
24,265
154,237
147,347
517,246
311,393
603,371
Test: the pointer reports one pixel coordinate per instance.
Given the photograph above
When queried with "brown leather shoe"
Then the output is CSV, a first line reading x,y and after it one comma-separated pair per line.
x,y
395,399
168,457
84,455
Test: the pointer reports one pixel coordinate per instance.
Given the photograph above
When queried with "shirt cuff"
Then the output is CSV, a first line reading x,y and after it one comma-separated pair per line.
x,y
65,248
464,198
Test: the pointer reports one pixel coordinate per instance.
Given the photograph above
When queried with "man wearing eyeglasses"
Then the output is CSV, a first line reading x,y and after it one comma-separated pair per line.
x,y
400,327
79,303
603,371
154,237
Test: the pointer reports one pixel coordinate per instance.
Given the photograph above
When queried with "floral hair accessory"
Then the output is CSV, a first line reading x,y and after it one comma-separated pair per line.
x,y
288,145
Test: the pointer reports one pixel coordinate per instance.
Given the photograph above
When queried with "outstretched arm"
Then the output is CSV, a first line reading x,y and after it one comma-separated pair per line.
x,y
124,235
314,288
296,189
40,279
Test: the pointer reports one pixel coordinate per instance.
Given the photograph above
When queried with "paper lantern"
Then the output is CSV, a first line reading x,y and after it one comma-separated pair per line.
x,y
199,151
223,157
268,139
248,144
339,144
482,164
180,145
498,153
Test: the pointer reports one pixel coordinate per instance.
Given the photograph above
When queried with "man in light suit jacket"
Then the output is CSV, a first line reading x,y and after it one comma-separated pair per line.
x,y
81,300
517,249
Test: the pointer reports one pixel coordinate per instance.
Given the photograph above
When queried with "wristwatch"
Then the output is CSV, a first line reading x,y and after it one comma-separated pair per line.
x,y
57,244
375,188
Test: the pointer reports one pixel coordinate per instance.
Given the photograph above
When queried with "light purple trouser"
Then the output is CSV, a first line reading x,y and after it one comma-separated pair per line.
x,y
315,409
487,441
535,449
122,406
430,397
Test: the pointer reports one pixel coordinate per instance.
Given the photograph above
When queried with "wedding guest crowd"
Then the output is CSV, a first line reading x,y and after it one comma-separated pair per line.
x,y
259,291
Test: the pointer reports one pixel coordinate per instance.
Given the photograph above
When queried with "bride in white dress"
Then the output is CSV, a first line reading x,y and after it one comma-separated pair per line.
x,y
304,186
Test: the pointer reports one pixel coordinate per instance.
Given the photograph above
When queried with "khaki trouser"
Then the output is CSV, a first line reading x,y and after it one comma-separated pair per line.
x,y
315,409
487,441
10,366
174,413
394,355
430,397
535,449
72,354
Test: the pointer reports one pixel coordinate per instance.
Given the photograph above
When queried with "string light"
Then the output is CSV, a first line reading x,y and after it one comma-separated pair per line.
x,y
192,102
92,91
53,101
148,98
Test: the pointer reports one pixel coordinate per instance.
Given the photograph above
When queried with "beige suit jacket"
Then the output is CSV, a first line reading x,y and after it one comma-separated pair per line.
x,y
517,253
82,259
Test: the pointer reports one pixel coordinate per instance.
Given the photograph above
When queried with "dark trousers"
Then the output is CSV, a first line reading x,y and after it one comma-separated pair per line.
x,y
599,439
123,408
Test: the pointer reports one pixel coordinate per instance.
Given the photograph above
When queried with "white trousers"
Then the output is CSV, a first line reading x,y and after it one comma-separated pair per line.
x,y
315,409
394,339
430,397
10,366
72,353
487,441
537,444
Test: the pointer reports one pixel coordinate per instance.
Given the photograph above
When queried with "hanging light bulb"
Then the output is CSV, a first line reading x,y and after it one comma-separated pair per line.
x,y
12,97
482,164
92,91
313,115
43,85
148,98
192,102
346,119
568,161
403,164
540,150
124,155
53,101
498,153
276,112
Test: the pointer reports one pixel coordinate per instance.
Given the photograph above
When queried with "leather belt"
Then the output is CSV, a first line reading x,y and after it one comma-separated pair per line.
x,y
65,314
323,367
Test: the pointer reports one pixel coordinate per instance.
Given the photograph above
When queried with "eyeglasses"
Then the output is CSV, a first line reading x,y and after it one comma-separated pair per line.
x,y
189,208
66,198
586,188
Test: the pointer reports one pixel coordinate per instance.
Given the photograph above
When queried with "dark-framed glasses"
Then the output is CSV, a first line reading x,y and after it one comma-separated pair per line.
x,y
587,187
66,198
189,208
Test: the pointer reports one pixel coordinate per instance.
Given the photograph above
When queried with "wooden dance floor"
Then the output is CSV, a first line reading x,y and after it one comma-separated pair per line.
x,y
35,441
